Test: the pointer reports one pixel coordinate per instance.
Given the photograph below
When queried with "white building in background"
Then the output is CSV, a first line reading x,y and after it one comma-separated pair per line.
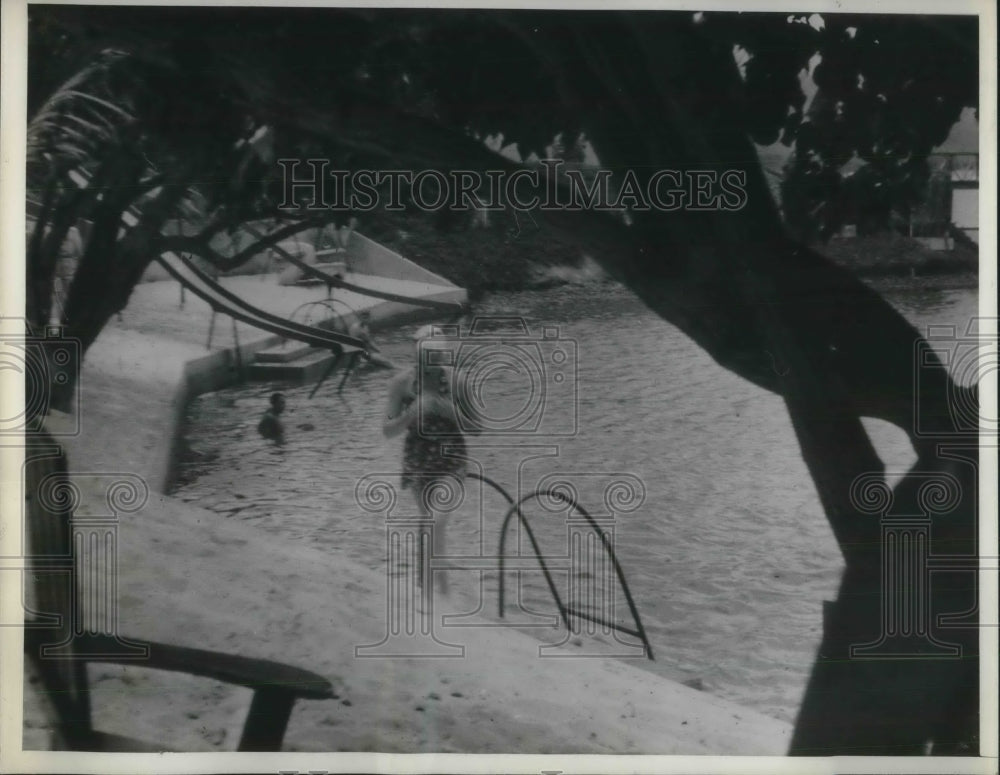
x,y
952,201
965,194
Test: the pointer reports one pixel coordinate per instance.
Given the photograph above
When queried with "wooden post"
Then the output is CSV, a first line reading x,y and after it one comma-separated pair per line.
x,y
239,356
211,329
267,720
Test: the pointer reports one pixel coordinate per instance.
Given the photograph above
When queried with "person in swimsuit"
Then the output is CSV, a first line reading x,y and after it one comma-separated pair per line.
x,y
421,404
270,426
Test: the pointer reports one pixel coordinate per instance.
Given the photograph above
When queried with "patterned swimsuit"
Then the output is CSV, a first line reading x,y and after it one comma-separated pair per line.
x,y
424,455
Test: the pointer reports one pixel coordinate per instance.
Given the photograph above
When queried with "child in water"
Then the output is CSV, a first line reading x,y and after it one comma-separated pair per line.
x,y
270,427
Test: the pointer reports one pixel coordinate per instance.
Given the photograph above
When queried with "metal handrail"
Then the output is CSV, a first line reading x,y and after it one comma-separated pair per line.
x,y
564,611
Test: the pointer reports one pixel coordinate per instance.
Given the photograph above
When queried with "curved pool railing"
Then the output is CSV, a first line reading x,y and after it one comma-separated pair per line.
x,y
329,308
565,612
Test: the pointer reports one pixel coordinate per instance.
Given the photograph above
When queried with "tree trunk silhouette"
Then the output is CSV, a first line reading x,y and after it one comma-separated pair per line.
x,y
112,265
785,317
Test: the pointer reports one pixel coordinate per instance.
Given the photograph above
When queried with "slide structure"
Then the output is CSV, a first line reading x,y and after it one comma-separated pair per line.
x,y
336,281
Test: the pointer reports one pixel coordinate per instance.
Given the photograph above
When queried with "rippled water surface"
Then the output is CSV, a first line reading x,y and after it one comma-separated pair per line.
x,y
728,556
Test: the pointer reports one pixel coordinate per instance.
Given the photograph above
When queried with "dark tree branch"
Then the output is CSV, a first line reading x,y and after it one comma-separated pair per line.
x,y
40,267
199,245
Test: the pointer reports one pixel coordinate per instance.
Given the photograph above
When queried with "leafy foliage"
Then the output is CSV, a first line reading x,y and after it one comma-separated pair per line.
x,y
889,91
889,87
199,102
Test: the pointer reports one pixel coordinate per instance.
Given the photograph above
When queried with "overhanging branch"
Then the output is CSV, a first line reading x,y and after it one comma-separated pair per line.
x,y
199,244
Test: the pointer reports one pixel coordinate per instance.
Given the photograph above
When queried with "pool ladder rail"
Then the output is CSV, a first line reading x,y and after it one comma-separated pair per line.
x,y
565,612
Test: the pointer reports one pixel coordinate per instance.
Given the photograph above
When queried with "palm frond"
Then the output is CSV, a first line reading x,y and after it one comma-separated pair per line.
x,y
76,94
80,117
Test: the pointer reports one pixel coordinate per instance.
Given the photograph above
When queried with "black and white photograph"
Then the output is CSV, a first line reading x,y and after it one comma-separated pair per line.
x,y
506,385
